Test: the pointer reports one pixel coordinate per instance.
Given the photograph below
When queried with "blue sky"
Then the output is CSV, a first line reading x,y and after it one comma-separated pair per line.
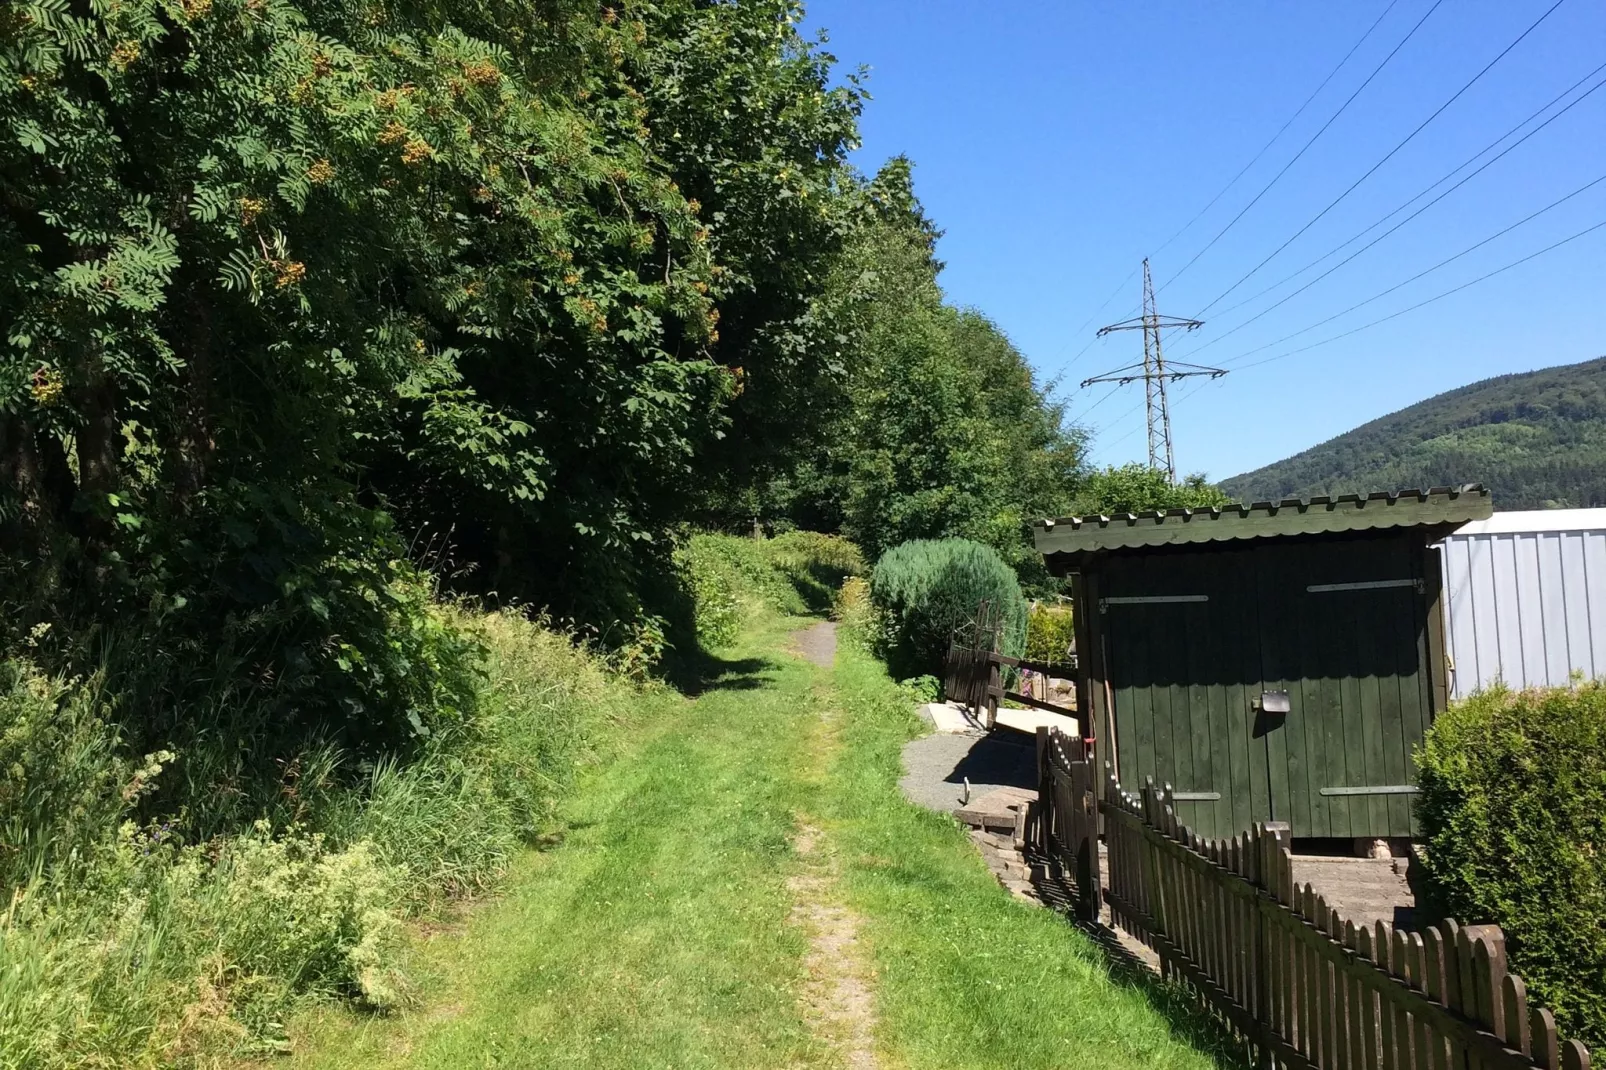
x,y
1059,143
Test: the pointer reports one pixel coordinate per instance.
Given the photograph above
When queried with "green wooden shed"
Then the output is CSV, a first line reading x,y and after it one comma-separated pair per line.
x,y
1274,661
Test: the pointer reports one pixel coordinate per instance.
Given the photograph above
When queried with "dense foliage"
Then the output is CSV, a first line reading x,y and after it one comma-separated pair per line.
x,y
926,590
1136,488
301,294
135,943
1536,440
1513,808
732,576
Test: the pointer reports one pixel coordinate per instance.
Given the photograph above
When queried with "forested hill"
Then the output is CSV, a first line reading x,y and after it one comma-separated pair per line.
x,y
1537,440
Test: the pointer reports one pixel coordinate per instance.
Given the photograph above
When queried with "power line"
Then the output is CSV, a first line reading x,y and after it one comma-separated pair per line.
x,y
1289,297
1331,119
1390,155
1428,271
1117,419
1113,390
1116,442
1431,300
1089,321
1280,132
1194,391
1469,161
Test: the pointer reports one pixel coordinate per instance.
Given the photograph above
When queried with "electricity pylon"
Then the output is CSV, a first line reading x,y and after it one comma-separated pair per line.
x,y
1155,373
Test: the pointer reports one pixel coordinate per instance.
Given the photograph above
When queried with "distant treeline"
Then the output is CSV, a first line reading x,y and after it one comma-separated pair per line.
x,y
1537,440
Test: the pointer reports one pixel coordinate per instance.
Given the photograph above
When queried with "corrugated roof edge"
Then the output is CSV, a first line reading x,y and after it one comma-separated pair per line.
x,y
1244,509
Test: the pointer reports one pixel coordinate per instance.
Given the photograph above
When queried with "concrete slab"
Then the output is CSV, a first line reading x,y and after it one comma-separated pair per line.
x,y
946,717
1362,890
1028,721
937,766
996,810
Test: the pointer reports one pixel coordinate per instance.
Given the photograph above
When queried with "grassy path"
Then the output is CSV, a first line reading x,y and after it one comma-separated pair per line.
x,y
742,886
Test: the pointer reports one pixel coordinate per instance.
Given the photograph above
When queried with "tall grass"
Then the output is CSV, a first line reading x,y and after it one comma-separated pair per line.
x,y
130,940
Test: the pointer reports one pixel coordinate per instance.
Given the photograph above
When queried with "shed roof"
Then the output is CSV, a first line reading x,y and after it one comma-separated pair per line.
x,y
1443,508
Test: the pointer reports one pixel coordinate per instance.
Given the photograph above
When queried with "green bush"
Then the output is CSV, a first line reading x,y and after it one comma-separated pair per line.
x,y
816,565
1513,807
713,569
856,612
450,821
169,952
1049,633
926,588
62,776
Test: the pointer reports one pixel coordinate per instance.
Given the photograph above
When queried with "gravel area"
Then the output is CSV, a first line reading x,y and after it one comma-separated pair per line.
x,y
936,767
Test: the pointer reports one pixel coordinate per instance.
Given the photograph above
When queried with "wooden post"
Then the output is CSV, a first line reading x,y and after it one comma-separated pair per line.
x,y
1432,565
1083,822
1045,792
1270,841
995,685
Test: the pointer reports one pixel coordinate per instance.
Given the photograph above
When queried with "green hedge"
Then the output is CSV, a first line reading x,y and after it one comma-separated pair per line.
x,y
1513,807
730,576
925,588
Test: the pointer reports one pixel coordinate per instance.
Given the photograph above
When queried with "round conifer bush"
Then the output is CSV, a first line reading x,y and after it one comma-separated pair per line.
x,y
926,588
1512,805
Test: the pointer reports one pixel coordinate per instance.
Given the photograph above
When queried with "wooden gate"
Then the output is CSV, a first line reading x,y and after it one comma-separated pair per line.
x,y
971,676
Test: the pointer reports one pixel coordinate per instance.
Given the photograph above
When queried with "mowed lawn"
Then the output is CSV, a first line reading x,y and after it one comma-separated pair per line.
x,y
656,933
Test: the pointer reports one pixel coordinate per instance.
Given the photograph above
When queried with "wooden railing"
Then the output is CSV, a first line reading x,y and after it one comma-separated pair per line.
x,y
973,678
1301,985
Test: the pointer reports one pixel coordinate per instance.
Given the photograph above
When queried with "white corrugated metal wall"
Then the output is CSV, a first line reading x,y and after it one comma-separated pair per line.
x,y
1526,599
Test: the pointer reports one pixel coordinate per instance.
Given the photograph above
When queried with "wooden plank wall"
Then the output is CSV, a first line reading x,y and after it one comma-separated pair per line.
x,y
1187,672
1299,985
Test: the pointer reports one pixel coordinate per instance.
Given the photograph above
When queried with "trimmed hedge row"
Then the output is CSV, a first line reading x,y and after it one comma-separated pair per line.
x,y
1513,807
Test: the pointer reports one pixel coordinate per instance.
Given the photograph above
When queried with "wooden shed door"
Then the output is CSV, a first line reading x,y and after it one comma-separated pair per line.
x,y
1343,631
1184,668
1193,640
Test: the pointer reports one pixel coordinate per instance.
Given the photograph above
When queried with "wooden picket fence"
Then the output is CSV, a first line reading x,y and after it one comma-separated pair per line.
x,y
1064,825
1299,985
1302,985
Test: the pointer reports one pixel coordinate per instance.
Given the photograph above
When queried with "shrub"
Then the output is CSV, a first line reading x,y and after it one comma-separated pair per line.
x,y
709,570
1049,633
853,609
173,951
926,588
816,565
1513,807
132,940
450,821
731,577
62,778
